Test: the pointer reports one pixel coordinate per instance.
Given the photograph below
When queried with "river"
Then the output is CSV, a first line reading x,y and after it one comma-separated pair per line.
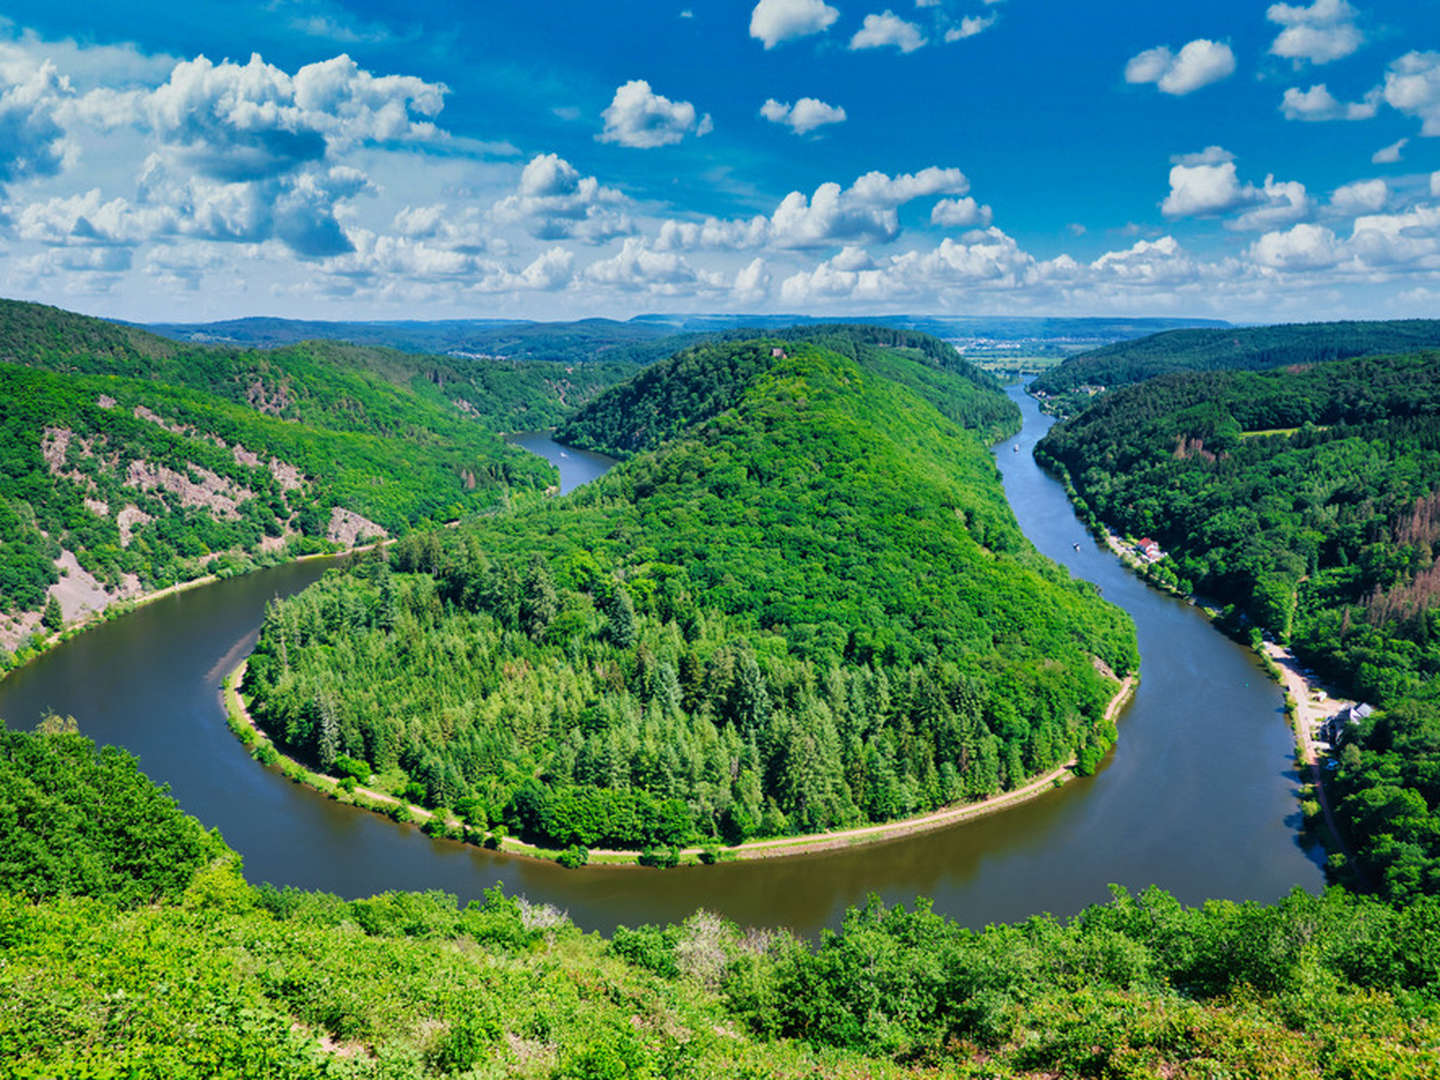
x,y
1198,797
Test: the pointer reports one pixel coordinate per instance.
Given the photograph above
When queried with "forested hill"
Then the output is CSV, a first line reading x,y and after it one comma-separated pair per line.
x,y
133,946
332,384
128,462
1309,499
1251,348
704,380
812,610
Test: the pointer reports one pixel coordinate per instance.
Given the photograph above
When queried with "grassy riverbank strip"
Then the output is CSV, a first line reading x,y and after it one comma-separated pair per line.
x,y
263,750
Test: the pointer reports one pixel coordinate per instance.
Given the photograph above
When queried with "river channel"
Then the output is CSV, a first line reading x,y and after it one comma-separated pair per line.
x,y
1198,797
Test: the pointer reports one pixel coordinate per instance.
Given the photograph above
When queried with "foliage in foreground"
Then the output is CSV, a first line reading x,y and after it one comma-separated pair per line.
x,y
1309,501
812,610
80,821
223,979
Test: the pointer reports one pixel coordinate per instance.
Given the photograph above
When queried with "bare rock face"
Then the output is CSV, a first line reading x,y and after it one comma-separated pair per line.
x,y
289,477
53,446
129,519
346,527
211,491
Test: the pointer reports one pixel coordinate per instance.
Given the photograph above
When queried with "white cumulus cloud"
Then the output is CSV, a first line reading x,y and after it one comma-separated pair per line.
x,y
640,118
1280,203
32,143
553,202
638,268
774,21
1199,63
878,31
1318,103
1147,262
234,122
1360,197
1412,85
1204,189
960,213
1302,247
804,116
1320,33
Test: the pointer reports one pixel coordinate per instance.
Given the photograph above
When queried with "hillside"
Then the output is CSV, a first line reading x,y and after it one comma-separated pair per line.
x,y
172,965
131,463
347,387
1306,499
1243,349
704,380
811,609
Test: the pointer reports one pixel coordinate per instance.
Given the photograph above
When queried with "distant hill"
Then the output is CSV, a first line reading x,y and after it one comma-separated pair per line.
x,y
647,338
583,341
1247,349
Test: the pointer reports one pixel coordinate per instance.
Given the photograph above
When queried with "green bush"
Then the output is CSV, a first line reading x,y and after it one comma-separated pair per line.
x,y
573,857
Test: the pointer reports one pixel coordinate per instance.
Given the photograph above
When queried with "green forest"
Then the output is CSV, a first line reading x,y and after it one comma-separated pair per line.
x,y
704,380
1232,348
327,384
809,608
1308,501
155,463
157,959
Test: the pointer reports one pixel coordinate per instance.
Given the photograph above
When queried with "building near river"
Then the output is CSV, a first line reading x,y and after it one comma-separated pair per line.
x,y
1335,727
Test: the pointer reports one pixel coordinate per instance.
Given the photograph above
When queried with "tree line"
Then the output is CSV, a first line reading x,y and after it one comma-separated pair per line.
x,y
1305,501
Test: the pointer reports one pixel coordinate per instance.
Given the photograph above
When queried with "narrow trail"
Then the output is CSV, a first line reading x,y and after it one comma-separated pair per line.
x,y
1308,714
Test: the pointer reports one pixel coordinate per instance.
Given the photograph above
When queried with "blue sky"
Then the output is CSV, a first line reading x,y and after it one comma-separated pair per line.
x,y
383,160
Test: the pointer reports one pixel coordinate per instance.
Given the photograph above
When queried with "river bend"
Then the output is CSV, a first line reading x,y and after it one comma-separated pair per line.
x,y
1198,797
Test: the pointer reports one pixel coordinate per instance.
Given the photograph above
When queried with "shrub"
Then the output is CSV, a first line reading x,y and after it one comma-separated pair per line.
x,y
662,858
351,768
573,857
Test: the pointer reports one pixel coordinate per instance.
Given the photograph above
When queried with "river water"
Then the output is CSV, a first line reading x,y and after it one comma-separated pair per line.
x,y
1198,797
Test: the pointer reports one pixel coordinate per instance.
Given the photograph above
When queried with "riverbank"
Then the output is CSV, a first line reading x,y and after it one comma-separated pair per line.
x,y
1308,705
1303,700
263,749
119,607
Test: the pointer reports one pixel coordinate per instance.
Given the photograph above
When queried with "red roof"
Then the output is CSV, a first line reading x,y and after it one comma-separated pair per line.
x,y
1145,541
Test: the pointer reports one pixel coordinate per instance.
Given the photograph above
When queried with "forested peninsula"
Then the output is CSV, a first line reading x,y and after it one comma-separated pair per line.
x,y
132,463
1306,500
802,605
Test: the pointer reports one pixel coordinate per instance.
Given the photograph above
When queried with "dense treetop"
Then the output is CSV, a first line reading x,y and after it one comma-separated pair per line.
x,y
330,384
150,460
1309,500
142,959
77,820
810,610
702,381
1234,348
